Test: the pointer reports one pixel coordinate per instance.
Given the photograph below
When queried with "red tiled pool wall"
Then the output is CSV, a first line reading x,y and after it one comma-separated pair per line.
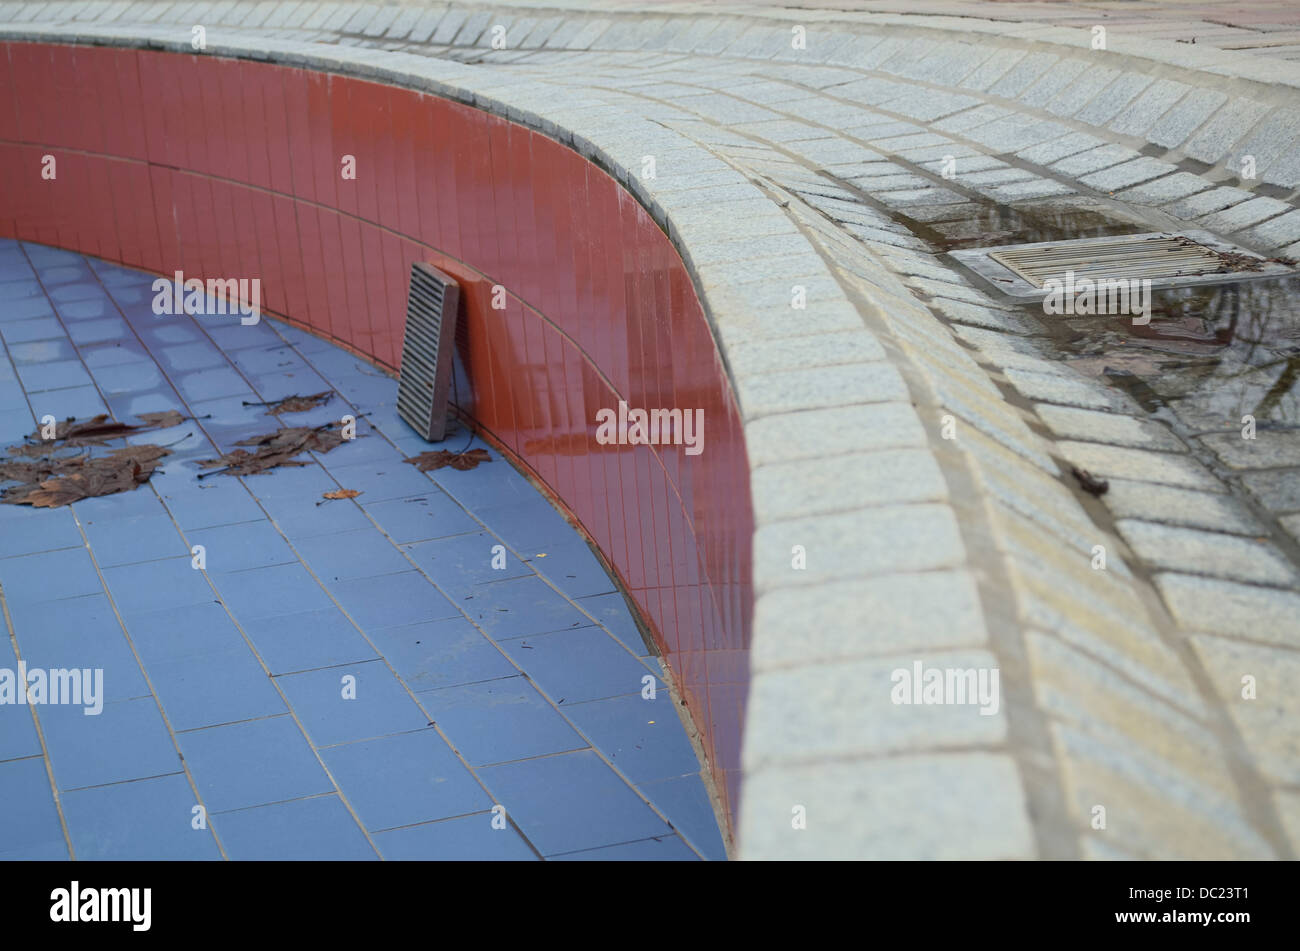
x,y
228,168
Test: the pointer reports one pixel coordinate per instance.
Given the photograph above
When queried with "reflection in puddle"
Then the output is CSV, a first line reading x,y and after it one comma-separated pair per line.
x,y
1211,353
1214,354
979,225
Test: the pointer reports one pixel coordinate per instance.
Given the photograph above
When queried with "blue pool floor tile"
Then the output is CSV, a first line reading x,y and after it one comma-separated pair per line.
x,y
49,576
36,620
215,501
270,592
572,802
100,648
152,819
572,568
686,803
355,702
643,738
404,780
219,687
131,540
153,586
383,480
17,730
499,720
241,546
142,503
612,613
293,643
255,763
127,740
667,848
459,563
421,515
29,822
172,634
319,829
444,653
362,553
521,606
467,838
581,664
404,597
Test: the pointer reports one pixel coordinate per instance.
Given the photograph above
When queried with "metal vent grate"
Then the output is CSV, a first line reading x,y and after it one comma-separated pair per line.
x,y
427,351
1149,256
1164,259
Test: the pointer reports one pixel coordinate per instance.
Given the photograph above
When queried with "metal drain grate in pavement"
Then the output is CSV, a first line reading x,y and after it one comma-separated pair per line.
x,y
427,351
1163,258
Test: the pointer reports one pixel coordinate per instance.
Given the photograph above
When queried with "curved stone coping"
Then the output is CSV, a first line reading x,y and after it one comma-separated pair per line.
x,y
1222,99
321,16
1158,52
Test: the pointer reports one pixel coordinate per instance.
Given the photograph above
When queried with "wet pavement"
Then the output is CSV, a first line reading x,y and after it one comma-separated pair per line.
x,y
437,668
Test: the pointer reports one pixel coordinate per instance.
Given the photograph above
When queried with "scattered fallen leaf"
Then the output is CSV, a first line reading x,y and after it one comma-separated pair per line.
x,y
274,449
73,478
295,403
33,449
93,431
438,458
164,420
96,431
53,478
341,494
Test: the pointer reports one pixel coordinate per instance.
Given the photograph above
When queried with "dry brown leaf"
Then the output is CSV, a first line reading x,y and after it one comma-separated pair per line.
x,y
274,449
164,420
295,403
341,494
94,431
74,478
438,458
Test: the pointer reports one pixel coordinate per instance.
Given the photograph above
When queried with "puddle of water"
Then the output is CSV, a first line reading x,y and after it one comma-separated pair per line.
x,y
1212,353
982,225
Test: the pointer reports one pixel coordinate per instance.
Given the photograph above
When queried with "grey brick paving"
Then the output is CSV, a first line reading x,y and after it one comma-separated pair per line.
x,y
1109,101
1144,111
919,612
901,803
1173,128
1276,489
1193,551
1244,215
1126,174
1112,428
1223,130
1269,723
1186,507
1162,190
1094,160
1236,610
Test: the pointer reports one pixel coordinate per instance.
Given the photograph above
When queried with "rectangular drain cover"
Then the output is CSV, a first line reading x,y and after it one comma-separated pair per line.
x,y
1163,258
427,351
